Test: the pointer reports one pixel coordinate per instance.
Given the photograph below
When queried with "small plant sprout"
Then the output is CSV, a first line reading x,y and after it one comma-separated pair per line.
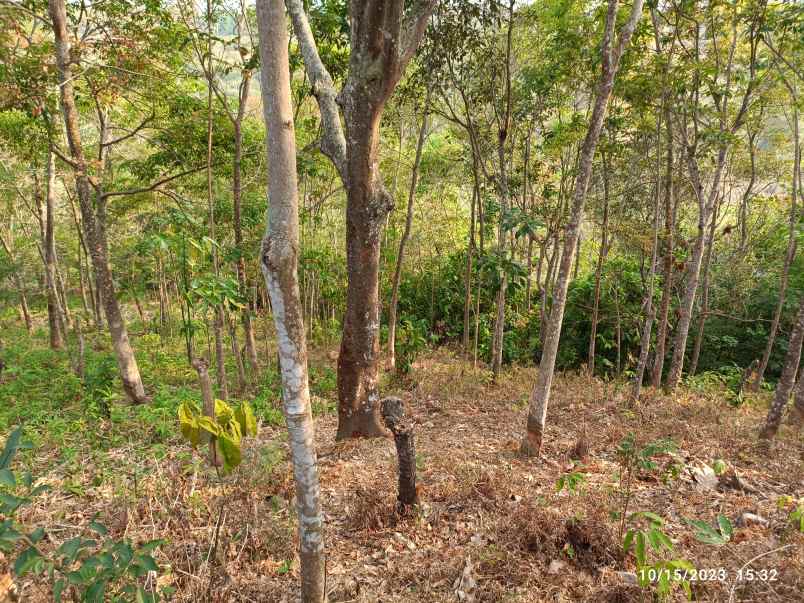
x,y
707,534
226,431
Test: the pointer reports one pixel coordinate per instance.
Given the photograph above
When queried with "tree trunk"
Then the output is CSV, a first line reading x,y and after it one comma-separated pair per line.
x,y
237,193
537,413
393,413
279,263
604,250
786,381
404,240
384,38
667,271
647,304
55,321
25,311
789,256
705,214
94,226
502,183
704,310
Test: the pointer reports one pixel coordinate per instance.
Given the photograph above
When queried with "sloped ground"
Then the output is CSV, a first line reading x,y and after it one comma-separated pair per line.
x,y
492,527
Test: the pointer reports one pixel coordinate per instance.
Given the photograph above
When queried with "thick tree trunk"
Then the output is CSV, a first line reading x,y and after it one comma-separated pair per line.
x,y
786,381
94,226
384,37
367,205
537,413
279,262
414,178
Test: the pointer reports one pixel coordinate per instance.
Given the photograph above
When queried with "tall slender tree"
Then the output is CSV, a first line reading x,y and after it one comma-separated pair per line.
x,y
279,262
612,48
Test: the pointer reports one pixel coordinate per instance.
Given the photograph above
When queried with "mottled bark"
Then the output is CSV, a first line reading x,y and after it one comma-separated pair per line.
x,y
393,413
383,39
611,53
787,379
414,179
93,215
279,263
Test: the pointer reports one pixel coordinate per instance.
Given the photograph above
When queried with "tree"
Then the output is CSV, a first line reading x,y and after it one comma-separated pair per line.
x,y
93,214
611,53
384,37
279,261
787,380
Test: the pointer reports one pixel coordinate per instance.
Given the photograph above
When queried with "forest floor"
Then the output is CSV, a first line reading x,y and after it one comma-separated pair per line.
x,y
493,526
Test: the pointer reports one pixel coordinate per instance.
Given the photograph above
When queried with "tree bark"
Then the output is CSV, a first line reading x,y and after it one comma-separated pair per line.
x,y
791,250
601,258
55,321
787,379
279,263
384,37
18,283
667,270
502,183
393,412
704,309
94,225
537,413
414,178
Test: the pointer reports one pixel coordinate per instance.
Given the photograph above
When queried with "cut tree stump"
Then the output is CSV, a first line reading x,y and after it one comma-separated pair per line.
x,y
393,414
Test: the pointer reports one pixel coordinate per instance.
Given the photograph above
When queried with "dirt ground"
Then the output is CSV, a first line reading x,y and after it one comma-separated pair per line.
x,y
492,526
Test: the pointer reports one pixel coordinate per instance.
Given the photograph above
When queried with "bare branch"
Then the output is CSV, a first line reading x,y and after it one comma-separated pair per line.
x,y
333,143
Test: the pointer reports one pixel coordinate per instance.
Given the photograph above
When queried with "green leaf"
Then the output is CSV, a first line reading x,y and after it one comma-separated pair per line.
x,y
69,549
725,526
245,417
639,549
151,545
26,561
58,588
95,592
628,540
37,535
10,449
149,563
7,478
98,528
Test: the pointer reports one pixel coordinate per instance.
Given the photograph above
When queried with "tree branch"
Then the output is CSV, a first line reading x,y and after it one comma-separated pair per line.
x,y
333,142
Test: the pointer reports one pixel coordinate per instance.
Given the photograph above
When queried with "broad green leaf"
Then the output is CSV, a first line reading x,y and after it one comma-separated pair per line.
x,y
69,548
7,478
98,528
95,593
639,549
26,561
725,526
245,417
12,444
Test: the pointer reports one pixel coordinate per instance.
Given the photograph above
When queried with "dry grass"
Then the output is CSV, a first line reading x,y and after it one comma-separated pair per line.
x,y
487,515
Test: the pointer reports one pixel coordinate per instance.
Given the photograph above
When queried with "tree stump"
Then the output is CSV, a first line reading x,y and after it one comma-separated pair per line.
x,y
393,414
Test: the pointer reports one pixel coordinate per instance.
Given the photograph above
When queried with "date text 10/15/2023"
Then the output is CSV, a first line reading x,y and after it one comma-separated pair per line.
x,y
718,574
